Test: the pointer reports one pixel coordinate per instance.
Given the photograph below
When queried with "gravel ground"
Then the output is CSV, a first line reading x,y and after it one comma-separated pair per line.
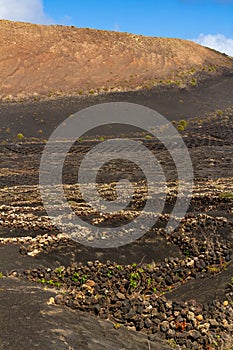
x,y
177,287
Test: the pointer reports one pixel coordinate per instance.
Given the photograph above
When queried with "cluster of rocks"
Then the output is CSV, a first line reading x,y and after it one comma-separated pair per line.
x,y
137,296
204,237
23,208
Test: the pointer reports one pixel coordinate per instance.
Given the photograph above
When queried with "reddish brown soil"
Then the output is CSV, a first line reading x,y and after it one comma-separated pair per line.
x,y
51,60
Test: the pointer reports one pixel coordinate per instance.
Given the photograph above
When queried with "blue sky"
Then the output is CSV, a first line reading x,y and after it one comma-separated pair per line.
x,y
170,18
209,22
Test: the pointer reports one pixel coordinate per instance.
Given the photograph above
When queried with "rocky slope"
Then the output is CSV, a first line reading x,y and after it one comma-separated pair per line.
x,y
50,60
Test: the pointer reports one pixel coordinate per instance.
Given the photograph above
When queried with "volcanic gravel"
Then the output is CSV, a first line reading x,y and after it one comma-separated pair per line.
x,y
140,295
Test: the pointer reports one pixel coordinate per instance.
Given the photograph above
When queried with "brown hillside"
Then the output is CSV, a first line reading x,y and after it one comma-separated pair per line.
x,y
45,60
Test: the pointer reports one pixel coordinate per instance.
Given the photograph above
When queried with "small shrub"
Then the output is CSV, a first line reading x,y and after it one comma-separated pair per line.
x,y
59,271
20,136
33,139
183,122
83,279
212,69
148,137
226,195
194,82
75,277
117,325
180,127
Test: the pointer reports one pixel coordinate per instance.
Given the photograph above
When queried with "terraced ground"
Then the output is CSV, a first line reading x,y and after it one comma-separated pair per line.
x,y
185,277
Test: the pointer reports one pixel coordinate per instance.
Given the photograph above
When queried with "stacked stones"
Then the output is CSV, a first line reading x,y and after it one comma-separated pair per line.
x,y
138,297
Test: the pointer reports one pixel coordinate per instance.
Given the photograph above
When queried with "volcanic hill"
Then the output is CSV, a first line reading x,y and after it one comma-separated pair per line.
x,y
58,60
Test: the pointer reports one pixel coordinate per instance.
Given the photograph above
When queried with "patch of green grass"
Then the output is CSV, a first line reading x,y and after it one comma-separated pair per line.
x,y
50,282
42,280
149,282
135,275
75,277
109,273
83,279
59,271
140,270
134,279
133,283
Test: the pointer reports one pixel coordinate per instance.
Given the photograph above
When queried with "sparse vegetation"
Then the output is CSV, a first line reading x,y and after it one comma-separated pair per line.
x,y
226,195
180,127
194,81
20,136
183,122
135,295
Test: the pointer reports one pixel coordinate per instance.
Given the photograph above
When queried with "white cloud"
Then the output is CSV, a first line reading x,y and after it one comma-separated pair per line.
x,y
24,10
218,42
